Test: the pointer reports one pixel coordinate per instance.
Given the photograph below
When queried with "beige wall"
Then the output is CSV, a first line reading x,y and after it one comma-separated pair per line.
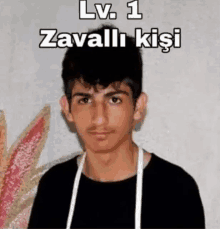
x,y
183,120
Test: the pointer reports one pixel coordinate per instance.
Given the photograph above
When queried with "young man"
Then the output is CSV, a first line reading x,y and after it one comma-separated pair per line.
x,y
117,187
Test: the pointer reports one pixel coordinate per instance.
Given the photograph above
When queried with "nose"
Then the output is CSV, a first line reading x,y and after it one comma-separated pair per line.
x,y
99,114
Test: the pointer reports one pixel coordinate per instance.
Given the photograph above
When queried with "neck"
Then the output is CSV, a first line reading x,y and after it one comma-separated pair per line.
x,y
113,165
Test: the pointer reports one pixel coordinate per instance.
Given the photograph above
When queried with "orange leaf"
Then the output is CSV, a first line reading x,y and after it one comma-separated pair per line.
x,y
3,151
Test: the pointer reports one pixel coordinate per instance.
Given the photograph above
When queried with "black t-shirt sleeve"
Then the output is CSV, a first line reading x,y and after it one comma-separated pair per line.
x,y
180,197
194,206
44,206
193,211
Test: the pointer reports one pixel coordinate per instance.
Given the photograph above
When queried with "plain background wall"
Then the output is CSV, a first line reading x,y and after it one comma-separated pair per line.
x,y
183,119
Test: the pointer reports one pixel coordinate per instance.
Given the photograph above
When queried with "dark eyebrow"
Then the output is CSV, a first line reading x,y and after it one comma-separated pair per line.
x,y
106,95
116,92
82,94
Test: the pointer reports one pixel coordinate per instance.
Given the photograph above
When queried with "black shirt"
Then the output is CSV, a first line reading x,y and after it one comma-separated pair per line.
x,y
170,199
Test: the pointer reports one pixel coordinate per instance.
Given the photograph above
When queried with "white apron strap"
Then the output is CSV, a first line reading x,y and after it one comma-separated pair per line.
x,y
139,189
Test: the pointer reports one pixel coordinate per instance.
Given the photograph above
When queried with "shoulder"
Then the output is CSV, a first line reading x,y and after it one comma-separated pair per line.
x,y
172,174
173,183
176,191
60,173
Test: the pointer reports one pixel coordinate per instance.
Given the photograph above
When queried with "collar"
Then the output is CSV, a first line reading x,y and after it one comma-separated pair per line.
x,y
138,189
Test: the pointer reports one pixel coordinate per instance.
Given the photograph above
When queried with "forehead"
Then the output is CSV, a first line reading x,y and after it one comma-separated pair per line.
x,y
81,86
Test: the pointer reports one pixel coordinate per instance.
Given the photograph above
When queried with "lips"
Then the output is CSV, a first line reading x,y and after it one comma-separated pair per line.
x,y
100,135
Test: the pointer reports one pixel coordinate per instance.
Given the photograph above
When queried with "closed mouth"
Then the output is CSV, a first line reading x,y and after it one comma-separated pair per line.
x,y
99,133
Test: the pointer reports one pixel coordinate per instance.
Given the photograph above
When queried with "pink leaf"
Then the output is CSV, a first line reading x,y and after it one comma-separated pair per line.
x,y
24,154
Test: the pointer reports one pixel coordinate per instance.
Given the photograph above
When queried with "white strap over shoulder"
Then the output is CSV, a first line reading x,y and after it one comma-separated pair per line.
x,y
75,189
138,190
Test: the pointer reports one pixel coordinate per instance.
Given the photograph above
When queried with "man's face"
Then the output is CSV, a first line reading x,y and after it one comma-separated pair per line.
x,y
104,118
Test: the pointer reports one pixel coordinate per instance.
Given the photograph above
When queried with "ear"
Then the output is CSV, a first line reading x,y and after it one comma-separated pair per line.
x,y
65,108
141,106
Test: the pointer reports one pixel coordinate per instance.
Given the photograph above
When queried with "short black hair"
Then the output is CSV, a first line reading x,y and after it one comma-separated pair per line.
x,y
103,65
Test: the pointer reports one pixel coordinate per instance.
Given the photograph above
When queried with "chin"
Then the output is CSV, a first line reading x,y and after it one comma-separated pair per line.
x,y
104,146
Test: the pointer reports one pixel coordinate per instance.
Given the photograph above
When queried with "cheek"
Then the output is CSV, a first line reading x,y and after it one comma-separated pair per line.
x,y
82,119
121,118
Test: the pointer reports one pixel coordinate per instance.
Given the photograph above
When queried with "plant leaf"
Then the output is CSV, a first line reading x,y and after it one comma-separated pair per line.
x,y
24,155
12,216
3,148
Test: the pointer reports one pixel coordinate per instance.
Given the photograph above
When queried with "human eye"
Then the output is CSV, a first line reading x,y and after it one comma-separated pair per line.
x,y
115,100
84,100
